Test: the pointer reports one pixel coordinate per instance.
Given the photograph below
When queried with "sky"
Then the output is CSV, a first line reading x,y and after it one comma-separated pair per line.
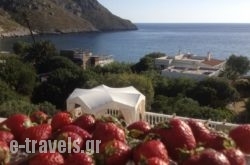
x,y
181,11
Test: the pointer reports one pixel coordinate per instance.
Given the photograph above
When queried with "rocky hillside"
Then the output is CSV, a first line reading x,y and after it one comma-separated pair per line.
x,y
58,16
94,12
8,27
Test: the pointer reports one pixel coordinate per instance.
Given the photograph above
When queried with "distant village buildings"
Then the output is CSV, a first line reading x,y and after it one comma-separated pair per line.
x,y
86,58
82,58
190,66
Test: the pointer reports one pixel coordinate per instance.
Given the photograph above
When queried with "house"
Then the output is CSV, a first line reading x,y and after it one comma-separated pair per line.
x,y
100,60
189,60
86,58
189,65
193,73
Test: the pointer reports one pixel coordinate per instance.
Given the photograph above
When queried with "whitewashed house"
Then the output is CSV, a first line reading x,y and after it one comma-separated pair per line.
x,y
190,66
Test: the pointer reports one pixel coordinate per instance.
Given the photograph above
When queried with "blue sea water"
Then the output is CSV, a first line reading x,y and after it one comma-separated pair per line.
x,y
221,40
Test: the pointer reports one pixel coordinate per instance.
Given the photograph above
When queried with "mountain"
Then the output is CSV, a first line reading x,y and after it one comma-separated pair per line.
x,y
95,13
58,16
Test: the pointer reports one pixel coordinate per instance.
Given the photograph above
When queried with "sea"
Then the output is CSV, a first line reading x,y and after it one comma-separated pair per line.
x,y
221,40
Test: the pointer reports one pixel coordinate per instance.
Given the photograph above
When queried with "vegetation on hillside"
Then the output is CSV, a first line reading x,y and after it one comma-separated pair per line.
x,y
22,88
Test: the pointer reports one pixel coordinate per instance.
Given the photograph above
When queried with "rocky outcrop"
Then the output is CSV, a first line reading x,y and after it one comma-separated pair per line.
x,y
15,33
57,16
97,14
9,28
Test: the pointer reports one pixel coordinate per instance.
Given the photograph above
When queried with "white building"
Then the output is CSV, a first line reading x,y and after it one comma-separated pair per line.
x,y
189,65
87,58
189,60
194,73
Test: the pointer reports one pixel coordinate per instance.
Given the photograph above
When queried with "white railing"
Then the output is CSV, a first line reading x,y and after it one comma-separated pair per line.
x,y
154,118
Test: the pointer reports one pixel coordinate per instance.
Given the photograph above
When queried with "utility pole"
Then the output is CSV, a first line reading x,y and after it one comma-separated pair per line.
x,y
28,25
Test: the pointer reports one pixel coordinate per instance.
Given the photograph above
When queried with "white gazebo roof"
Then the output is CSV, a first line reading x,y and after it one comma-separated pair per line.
x,y
103,97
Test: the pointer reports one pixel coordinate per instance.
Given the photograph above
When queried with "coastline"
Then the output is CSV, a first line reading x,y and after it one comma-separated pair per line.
x,y
25,32
15,33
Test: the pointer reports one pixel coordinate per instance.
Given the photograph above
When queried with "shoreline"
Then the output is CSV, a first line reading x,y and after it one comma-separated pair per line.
x,y
26,32
15,33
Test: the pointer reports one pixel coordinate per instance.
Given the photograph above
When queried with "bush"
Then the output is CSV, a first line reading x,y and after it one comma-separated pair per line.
x,y
140,82
18,75
188,107
147,62
243,87
21,48
7,93
11,107
173,87
213,92
238,64
56,62
47,107
60,83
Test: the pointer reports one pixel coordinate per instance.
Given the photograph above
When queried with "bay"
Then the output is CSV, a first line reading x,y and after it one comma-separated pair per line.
x,y
221,40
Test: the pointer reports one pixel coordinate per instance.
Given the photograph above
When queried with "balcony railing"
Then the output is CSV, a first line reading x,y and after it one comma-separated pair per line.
x,y
154,118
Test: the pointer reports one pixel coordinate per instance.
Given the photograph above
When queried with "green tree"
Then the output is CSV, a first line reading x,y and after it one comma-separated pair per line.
x,y
19,76
213,92
113,68
237,64
161,104
147,62
46,92
173,87
40,51
243,87
92,78
21,48
140,82
61,82
55,62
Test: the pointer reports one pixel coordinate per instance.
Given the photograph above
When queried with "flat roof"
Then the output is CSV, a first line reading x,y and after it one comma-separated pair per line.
x,y
165,58
199,71
213,62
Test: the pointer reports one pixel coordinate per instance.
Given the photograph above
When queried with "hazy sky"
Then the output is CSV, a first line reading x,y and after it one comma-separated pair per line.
x,y
181,11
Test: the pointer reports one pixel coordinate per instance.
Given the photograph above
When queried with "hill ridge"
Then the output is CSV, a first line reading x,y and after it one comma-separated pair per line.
x,y
58,16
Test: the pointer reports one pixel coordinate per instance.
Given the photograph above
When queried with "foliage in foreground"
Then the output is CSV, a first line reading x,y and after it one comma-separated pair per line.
x,y
18,75
11,107
188,107
236,66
